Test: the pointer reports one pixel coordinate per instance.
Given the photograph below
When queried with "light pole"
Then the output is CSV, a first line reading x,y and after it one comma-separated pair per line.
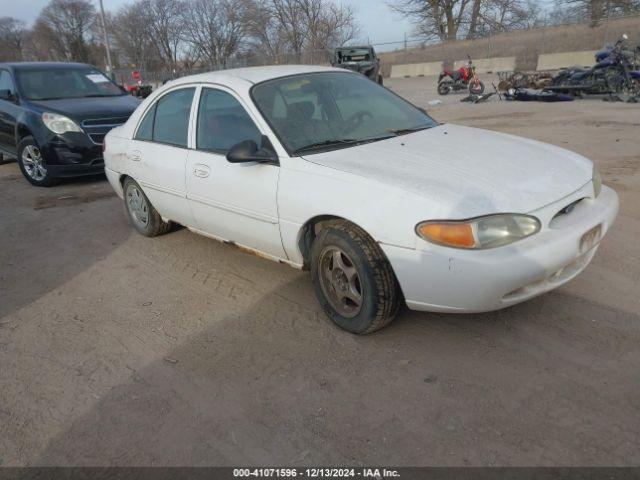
x,y
106,41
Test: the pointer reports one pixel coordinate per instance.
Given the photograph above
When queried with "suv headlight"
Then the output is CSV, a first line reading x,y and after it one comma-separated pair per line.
x,y
597,182
59,123
479,233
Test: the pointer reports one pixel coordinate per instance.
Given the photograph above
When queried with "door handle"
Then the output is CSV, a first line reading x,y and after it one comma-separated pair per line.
x,y
201,171
135,155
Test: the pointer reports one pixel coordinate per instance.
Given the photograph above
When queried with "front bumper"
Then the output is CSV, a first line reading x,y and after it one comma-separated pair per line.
x,y
72,154
441,279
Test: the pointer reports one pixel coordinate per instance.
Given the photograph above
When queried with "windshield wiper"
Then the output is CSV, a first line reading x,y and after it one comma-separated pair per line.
x,y
327,143
404,131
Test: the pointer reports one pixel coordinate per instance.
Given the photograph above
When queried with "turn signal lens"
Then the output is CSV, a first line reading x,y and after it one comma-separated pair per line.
x,y
451,234
597,182
479,233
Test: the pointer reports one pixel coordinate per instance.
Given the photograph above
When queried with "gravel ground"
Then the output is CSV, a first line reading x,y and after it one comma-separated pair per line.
x,y
121,350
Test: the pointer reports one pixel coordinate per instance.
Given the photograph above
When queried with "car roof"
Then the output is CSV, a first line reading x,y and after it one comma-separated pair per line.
x,y
254,74
361,47
38,65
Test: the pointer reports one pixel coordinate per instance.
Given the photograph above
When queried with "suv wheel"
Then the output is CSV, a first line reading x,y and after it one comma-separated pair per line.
x,y
352,279
33,164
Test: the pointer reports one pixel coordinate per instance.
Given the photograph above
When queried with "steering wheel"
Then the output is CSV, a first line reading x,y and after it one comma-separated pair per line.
x,y
355,120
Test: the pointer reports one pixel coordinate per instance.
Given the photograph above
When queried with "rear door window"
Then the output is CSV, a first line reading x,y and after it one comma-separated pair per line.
x,y
171,122
145,130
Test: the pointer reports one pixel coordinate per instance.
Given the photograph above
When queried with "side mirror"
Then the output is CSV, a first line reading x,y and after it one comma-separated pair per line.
x,y
248,151
6,95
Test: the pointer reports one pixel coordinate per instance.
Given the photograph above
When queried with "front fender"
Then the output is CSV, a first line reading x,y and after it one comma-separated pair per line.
x,y
29,123
307,190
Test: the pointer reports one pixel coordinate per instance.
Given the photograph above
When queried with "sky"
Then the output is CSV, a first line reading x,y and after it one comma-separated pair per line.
x,y
378,23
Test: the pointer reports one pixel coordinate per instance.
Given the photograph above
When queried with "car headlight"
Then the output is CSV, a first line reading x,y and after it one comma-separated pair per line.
x,y
479,233
59,123
597,182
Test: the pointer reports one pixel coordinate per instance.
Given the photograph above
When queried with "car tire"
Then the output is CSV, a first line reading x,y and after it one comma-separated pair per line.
x,y
352,279
380,80
146,219
32,163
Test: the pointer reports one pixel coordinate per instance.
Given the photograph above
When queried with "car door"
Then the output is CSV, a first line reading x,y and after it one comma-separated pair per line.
x,y
9,111
157,155
231,201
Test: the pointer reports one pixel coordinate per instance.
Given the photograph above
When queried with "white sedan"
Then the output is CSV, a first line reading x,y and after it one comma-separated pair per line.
x,y
325,170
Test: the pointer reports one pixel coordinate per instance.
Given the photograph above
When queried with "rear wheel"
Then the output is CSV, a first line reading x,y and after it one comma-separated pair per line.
x,y
352,279
33,164
445,87
144,217
380,80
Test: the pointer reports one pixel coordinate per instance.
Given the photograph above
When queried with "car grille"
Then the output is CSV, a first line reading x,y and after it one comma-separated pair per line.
x,y
97,128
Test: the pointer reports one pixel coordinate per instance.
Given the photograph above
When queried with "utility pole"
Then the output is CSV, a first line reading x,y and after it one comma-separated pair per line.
x,y
106,41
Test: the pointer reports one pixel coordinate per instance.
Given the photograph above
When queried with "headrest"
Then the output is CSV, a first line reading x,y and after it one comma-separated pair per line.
x,y
300,110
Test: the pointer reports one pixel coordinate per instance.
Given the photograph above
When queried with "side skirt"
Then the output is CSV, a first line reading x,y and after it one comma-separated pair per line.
x,y
253,251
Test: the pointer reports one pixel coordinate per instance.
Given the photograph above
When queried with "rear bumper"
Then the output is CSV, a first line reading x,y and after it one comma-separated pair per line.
x,y
451,280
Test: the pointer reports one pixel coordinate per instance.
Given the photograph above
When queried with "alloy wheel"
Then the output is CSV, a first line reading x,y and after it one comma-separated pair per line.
x,y
340,281
34,163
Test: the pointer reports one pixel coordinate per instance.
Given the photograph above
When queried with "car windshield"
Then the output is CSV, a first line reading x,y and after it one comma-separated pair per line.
x,y
56,83
320,111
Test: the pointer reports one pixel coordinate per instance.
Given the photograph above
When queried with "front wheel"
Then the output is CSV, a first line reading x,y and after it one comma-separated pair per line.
x,y
33,164
352,279
476,87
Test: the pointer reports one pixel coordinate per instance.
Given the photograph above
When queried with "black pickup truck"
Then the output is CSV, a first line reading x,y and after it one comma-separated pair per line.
x,y
359,59
54,116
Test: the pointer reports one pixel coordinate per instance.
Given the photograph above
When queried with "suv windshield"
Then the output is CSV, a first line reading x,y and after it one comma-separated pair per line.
x,y
321,111
72,82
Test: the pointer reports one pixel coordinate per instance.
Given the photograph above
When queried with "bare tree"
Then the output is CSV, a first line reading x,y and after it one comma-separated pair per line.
x,y
215,29
266,40
290,19
327,24
504,15
65,25
435,19
12,39
133,38
597,10
165,21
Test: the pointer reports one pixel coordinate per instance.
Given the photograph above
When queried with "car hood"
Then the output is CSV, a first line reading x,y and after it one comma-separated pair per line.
x,y
468,171
80,109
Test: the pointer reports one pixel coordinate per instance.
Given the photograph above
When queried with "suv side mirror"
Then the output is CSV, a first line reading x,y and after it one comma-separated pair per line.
x,y
7,95
248,151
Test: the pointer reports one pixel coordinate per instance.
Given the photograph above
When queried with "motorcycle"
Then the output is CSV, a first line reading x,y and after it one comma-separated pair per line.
x,y
463,78
614,72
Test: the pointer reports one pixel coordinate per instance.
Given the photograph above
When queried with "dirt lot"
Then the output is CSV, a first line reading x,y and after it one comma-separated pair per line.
x,y
121,350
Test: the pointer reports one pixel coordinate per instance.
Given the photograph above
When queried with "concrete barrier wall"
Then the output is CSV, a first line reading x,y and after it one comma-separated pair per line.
x,y
486,65
555,61
416,69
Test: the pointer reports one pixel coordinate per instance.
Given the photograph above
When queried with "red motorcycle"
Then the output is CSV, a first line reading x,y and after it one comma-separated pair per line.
x,y
463,78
